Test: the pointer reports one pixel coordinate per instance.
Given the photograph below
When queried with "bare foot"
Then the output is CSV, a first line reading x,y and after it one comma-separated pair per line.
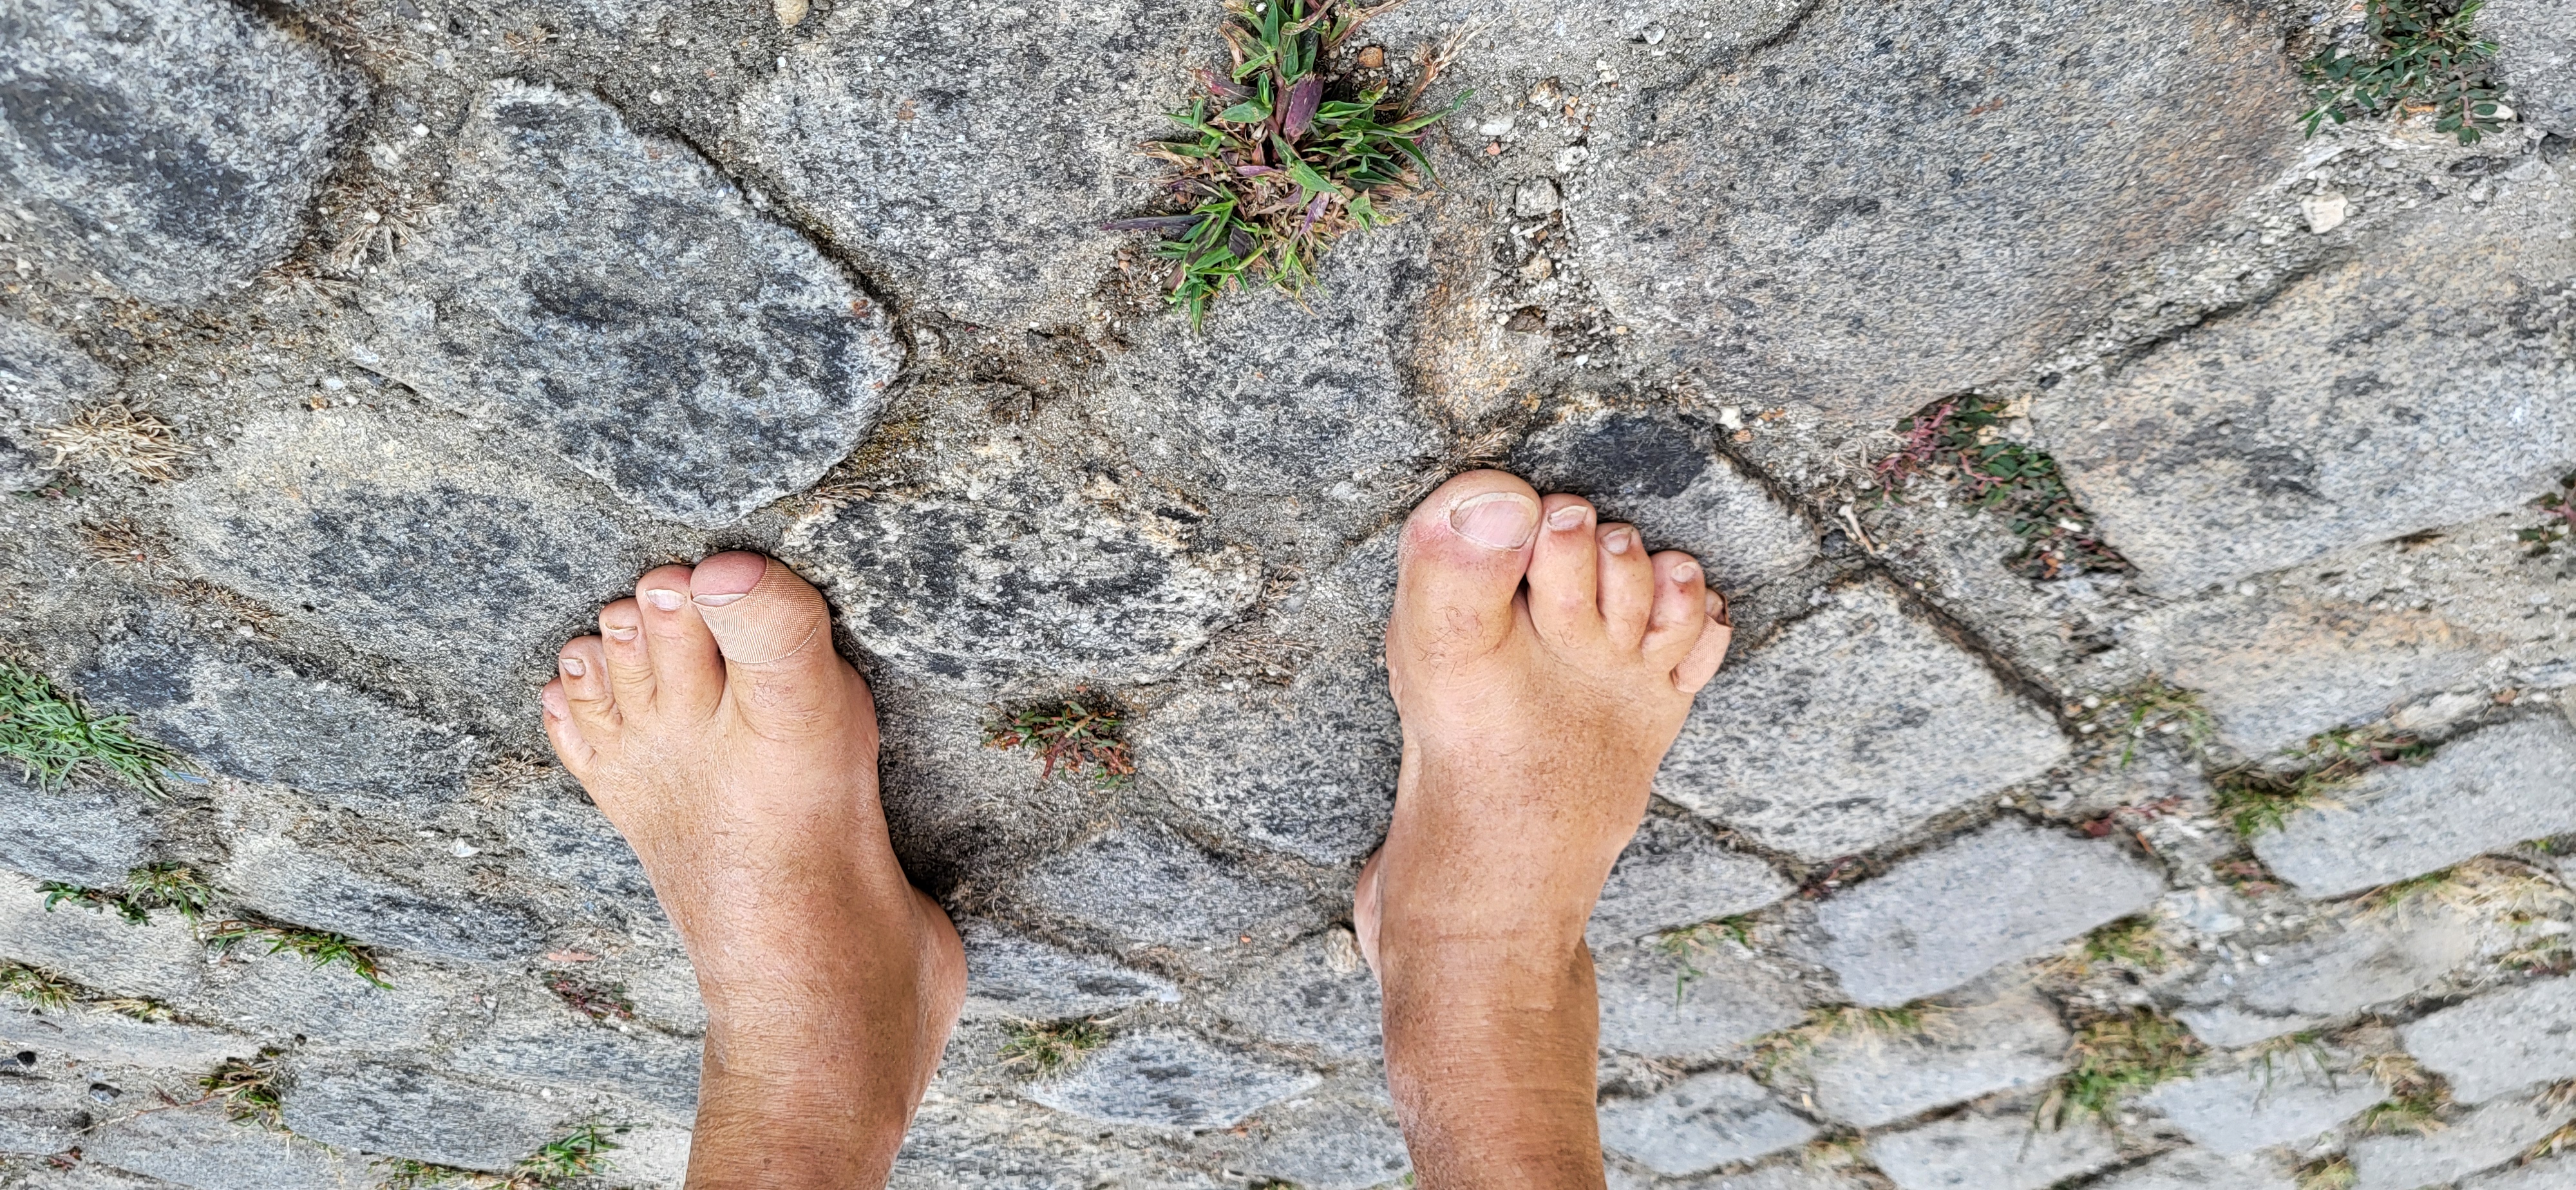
x,y
1542,664
713,723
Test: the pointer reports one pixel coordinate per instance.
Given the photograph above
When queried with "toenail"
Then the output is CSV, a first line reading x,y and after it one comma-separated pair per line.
x,y
1569,517
1685,573
573,666
1617,541
1717,610
719,600
662,600
618,631
1501,520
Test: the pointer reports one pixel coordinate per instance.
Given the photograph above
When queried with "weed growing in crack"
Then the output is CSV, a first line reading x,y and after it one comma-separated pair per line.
x,y
1960,437
318,947
1687,945
598,1001
580,1154
1274,170
2165,710
153,886
249,1088
2328,1173
1079,734
1774,1052
52,736
2548,955
1046,1048
118,436
2117,1057
2130,940
2413,1115
2560,507
2254,801
36,986
2422,53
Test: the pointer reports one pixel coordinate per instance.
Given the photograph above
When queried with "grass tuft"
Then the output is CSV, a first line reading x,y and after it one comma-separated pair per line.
x,y
119,436
2328,1173
2115,1058
249,1088
153,886
2157,707
1775,1052
37,986
2255,801
561,1162
320,948
1962,437
52,736
1046,1048
1081,734
2421,54
2130,940
1279,160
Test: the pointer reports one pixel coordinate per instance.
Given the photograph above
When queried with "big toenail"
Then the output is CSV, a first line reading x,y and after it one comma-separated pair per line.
x,y
619,631
1684,574
662,600
1502,520
719,600
1617,541
1569,517
573,666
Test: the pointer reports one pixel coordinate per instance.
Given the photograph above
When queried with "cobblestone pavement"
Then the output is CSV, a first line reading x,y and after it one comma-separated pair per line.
x,y
2186,807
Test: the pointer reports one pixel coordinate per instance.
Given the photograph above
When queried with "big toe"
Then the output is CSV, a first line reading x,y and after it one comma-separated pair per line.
x,y
1466,549
774,632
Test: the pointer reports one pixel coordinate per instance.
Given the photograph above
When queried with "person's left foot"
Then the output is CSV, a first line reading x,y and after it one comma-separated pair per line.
x,y
713,723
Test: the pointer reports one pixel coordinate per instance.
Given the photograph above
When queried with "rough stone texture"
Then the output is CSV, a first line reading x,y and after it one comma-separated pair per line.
x,y
2344,968
2193,1169
2236,1112
2012,1040
171,147
2536,56
2382,395
1852,296
97,1035
1674,873
1146,884
42,1116
1700,1123
1169,1079
1330,1144
2007,892
1318,993
1662,476
311,889
199,1147
2500,1042
536,1038
2487,792
1814,745
2477,1139
1308,770
1655,1007
385,1107
616,300
86,832
2556,1173
1010,975
44,378
1982,1152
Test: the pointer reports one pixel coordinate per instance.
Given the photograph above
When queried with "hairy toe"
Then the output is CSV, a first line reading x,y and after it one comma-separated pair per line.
x,y
774,634
1680,612
1464,553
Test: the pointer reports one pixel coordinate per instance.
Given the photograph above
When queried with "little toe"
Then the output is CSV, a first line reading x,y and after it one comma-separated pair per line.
x,y
629,661
774,633
1465,550
582,670
1627,583
1680,614
1708,652
687,673
1564,572
571,747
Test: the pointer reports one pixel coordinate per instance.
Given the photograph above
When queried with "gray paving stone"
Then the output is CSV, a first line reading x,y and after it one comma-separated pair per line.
x,y
571,841
1705,1121
1849,729
2236,1112
2500,1042
92,1176
43,1116
199,1147
44,378
2005,893
1013,574
2536,57
1318,992
1171,1080
1674,874
95,1035
1308,770
87,832
1655,1006
1829,275
533,1037
2364,960
2487,792
1146,884
385,1107
1330,1144
616,300
410,539
2194,1169
2554,1173
1787,1174
172,147
1981,1152
303,887
285,996
2478,1139
1011,975
2366,401
2013,1040
260,720
957,1143
1668,480
162,960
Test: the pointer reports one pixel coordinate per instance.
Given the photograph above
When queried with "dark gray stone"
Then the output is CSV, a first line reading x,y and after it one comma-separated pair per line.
x,y
2192,1169
87,832
1705,1121
284,995
310,889
2007,892
1330,1144
1849,729
536,1038
1692,1008
1319,993
1674,874
1666,478
1146,884
2477,1139
42,1116
381,1106
2379,396
170,146
2501,1042
199,1147
1309,769
97,1035
2536,58
1008,975
2011,1041
2342,969
1828,239
572,842
2285,1102
44,378
618,301
1170,1080
2484,793
1991,1152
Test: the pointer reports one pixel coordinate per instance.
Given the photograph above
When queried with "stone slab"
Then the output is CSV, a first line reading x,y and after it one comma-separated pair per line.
x,y
1703,1122
2345,967
2478,1139
171,147
2496,788
2500,1042
97,1035
2554,1173
1327,1143
404,1111
1661,1006
2233,1113
531,1036
307,888
87,832
1147,884
1169,1080
2399,390
42,1116
2193,1169
1674,873
615,299
198,1147
2007,892
1980,1152
44,378
1318,992
1831,243
2536,60
2011,1041
1015,976
1849,729
1308,770
1665,477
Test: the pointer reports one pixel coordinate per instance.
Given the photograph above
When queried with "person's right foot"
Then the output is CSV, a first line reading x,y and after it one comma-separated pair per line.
x,y
1542,664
